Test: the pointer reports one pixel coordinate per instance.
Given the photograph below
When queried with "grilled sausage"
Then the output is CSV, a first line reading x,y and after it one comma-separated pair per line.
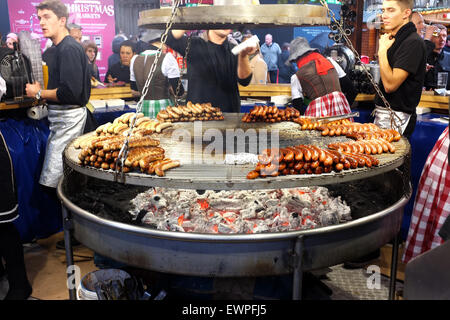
x,y
160,169
253,174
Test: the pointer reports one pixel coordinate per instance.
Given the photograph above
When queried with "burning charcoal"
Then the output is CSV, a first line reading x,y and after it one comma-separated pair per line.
x,y
284,213
139,217
342,209
239,211
226,204
216,218
304,199
294,222
308,224
271,211
158,201
176,227
163,225
260,214
187,224
271,202
261,228
328,218
276,220
223,228
248,213
186,212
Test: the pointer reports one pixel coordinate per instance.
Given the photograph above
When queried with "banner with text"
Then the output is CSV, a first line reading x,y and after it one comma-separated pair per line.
x,y
94,16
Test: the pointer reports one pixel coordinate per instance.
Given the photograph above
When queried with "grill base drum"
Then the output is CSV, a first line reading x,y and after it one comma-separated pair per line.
x,y
241,254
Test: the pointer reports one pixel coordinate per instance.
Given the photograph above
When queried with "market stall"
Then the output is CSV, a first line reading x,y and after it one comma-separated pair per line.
x,y
170,247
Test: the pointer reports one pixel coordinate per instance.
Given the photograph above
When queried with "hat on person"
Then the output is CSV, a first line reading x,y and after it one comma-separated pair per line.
x,y
12,36
298,47
237,35
151,35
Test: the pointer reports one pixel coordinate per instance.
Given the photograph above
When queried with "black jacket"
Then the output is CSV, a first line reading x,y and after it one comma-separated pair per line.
x,y
440,63
8,191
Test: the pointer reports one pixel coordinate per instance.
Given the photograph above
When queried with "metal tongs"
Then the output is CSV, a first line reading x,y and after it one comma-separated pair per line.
x,y
334,118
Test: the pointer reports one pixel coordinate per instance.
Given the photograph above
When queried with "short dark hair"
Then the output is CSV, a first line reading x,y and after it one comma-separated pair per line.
x,y
128,43
58,8
408,4
440,26
71,26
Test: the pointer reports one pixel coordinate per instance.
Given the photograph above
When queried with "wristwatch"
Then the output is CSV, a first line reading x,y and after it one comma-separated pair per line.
x,y
38,95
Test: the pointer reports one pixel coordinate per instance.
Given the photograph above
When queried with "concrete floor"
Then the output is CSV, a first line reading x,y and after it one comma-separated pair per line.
x,y
46,269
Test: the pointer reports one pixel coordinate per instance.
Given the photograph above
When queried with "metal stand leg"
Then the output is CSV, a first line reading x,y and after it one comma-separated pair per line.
x,y
298,271
394,259
67,224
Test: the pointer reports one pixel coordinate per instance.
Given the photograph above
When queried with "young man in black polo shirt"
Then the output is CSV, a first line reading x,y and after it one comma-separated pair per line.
x,y
402,58
68,88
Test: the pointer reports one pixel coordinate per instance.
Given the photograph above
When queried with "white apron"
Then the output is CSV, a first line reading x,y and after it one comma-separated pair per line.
x,y
65,125
383,119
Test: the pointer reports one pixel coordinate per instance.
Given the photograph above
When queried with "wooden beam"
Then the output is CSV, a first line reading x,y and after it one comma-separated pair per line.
x,y
358,25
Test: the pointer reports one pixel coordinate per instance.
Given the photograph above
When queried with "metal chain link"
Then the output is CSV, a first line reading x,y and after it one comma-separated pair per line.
x,y
358,58
124,150
188,47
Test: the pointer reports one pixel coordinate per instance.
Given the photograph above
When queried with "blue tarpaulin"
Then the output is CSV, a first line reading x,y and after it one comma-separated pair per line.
x,y
39,214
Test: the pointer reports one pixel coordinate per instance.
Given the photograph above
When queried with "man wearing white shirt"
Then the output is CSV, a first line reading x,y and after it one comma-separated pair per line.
x,y
165,79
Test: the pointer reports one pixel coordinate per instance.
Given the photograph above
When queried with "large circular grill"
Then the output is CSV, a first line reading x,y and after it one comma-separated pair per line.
x,y
200,170
242,254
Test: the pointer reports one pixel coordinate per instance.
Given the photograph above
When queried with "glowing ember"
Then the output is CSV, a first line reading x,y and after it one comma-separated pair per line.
x,y
243,212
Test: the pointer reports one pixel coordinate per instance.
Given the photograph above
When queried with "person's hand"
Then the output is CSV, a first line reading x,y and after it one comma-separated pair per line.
x,y
247,51
428,67
429,30
111,79
385,42
32,89
135,94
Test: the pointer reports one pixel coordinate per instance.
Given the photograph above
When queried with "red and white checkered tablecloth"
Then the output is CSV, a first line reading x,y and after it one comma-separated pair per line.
x,y
332,104
432,203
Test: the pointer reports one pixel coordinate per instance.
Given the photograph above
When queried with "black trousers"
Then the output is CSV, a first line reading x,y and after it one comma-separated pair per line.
x,y
12,252
273,76
410,127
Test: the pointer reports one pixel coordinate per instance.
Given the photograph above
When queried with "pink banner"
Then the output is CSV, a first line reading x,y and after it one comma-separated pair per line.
x,y
94,16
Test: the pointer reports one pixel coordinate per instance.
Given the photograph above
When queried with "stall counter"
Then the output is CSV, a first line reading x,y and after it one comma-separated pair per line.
x,y
427,100
266,91
111,93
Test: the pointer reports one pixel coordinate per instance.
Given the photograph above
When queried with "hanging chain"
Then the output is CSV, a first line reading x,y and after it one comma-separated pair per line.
x,y
358,58
188,47
124,150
